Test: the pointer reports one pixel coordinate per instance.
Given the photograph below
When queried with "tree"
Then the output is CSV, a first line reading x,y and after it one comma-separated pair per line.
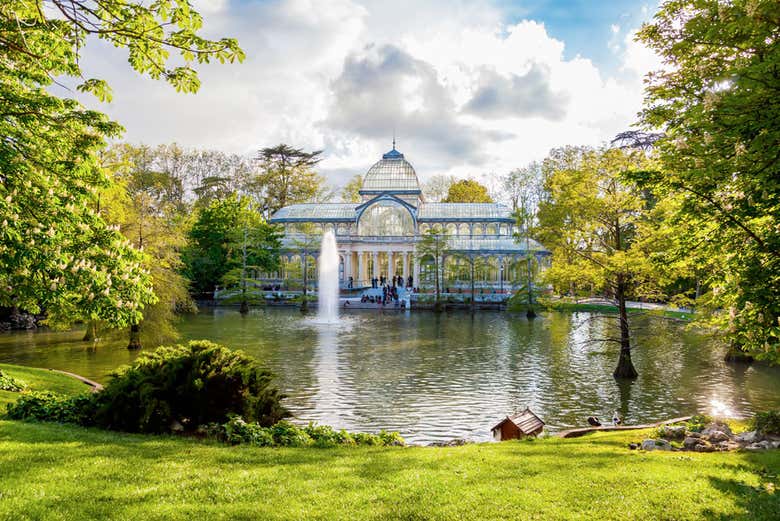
x,y
590,224
437,187
287,177
467,191
525,189
351,191
717,104
228,238
434,244
254,247
475,262
56,252
307,240
524,186
147,206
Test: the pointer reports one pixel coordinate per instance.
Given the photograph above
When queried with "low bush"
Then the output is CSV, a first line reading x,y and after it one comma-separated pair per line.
x,y
184,386
285,434
766,422
9,383
49,406
698,422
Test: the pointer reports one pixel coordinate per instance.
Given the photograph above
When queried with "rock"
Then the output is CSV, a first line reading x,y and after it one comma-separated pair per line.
x,y
704,447
748,437
672,432
633,446
716,436
690,442
693,434
716,426
755,447
656,445
775,444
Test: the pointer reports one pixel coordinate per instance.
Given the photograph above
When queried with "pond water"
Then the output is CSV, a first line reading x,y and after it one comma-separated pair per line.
x,y
435,377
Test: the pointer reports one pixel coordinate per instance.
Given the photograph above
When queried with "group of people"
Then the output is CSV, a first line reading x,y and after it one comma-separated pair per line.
x,y
382,281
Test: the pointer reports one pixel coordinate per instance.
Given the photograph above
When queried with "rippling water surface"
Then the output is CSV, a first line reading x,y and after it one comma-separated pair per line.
x,y
437,377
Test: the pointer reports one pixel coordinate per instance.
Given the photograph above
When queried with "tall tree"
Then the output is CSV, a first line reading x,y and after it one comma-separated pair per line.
x,y
287,177
56,252
590,224
468,191
147,207
525,188
717,103
351,191
253,248
433,245
437,187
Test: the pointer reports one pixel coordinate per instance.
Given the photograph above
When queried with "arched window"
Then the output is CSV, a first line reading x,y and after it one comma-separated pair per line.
x,y
490,229
423,228
386,218
452,229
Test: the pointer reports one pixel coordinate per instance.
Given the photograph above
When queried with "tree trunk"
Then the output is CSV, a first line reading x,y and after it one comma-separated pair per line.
x,y
737,356
530,313
625,368
437,303
473,293
135,337
244,309
91,333
305,303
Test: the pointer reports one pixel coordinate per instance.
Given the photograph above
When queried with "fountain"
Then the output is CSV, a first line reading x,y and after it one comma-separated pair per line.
x,y
328,288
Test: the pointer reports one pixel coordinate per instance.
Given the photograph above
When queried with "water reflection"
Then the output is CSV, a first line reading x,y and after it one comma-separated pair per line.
x,y
436,377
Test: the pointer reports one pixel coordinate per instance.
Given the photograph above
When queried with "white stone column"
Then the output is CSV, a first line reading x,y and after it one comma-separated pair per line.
x,y
405,257
416,273
347,266
375,269
361,266
390,266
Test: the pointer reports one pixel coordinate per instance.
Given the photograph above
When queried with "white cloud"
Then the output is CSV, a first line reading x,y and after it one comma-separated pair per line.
x,y
465,92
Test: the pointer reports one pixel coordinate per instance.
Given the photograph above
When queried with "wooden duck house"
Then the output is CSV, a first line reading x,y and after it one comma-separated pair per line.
x,y
517,426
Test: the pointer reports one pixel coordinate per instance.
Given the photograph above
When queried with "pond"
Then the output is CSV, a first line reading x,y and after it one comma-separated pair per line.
x,y
436,377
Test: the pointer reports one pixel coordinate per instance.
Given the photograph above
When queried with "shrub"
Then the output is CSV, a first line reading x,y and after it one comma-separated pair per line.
x,y
285,434
9,383
327,436
766,422
236,431
288,434
194,384
49,406
698,422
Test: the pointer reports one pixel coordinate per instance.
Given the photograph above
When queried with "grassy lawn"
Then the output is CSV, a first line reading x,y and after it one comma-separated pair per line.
x,y
39,380
51,471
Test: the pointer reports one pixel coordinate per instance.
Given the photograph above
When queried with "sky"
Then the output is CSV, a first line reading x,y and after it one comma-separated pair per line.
x,y
468,87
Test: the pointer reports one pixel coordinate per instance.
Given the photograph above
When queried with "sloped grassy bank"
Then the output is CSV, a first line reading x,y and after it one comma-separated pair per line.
x,y
51,471
55,471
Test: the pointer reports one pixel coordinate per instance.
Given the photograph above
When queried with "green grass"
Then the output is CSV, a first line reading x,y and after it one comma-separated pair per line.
x,y
51,471
39,380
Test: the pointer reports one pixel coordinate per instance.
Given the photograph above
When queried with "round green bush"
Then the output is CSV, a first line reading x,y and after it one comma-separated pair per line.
x,y
181,387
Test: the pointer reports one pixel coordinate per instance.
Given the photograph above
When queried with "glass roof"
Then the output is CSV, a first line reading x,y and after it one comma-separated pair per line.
x,y
463,211
391,173
500,245
316,211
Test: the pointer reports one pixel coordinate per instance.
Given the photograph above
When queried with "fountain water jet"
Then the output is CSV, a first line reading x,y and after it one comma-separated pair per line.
x,y
328,286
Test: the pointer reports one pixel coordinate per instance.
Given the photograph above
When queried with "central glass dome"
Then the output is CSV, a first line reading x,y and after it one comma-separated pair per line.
x,y
392,173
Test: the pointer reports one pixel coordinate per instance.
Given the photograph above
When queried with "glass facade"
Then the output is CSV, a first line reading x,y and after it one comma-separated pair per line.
x,y
386,218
